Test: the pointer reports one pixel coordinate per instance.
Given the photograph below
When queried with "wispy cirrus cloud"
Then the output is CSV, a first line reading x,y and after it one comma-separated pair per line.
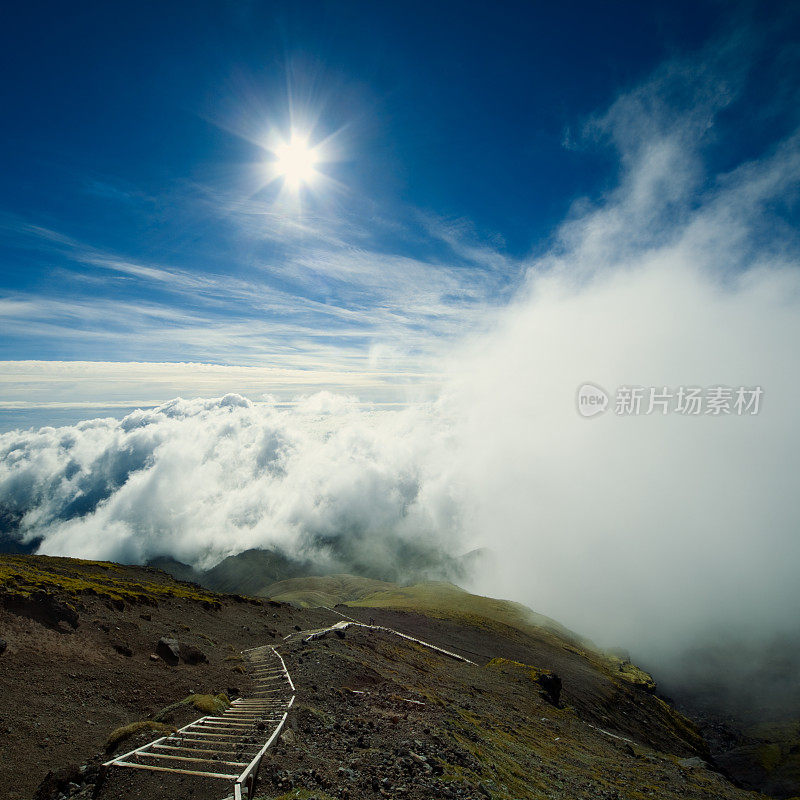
x,y
327,304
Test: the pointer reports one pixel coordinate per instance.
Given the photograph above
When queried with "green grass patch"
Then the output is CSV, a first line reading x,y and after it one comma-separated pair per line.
x,y
769,756
206,703
524,670
24,575
124,733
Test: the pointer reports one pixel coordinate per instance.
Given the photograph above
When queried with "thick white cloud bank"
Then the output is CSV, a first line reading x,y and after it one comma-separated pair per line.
x,y
644,529
636,530
198,480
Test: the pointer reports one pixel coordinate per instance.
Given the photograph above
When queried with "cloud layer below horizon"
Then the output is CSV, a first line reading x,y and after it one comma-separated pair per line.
x,y
198,480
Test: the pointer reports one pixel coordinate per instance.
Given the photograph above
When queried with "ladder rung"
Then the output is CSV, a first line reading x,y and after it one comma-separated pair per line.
x,y
243,712
223,730
203,749
199,773
221,727
253,714
228,723
233,727
257,705
214,746
190,758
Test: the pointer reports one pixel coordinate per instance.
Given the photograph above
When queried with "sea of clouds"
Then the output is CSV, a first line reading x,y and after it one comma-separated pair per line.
x,y
198,480
636,530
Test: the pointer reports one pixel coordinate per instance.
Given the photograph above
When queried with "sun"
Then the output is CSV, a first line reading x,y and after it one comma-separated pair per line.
x,y
295,161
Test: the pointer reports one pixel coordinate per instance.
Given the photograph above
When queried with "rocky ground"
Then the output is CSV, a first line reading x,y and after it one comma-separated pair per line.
x,y
65,689
375,716
762,756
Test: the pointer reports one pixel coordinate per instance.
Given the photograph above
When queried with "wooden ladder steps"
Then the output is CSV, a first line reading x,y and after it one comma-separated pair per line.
x,y
204,746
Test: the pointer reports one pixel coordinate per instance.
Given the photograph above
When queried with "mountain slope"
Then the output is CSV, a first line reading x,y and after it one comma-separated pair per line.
x,y
536,715
594,681
377,717
327,590
444,600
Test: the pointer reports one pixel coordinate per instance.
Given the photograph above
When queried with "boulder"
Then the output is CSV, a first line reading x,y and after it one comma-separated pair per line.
x,y
190,654
550,684
3,646
169,650
172,652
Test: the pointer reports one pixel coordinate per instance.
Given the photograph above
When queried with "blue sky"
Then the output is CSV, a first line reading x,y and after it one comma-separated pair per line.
x,y
136,226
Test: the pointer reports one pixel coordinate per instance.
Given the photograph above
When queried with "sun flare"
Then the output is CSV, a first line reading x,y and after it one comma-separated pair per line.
x,y
295,161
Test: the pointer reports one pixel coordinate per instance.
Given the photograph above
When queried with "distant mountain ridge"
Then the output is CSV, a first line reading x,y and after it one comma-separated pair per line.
x,y
249,572
255,571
